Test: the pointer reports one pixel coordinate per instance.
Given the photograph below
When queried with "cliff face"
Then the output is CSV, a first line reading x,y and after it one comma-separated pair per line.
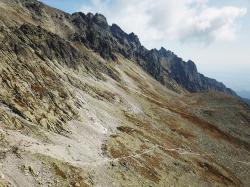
x,y
161,64
83,103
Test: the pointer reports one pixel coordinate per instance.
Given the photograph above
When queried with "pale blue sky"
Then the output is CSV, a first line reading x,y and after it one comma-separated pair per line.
x,y
214,34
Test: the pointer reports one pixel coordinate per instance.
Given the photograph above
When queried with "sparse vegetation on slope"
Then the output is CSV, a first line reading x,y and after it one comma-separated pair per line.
x,y
73,113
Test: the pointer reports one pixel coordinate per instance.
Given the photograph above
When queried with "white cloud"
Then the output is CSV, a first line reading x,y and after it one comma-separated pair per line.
x,y
178,20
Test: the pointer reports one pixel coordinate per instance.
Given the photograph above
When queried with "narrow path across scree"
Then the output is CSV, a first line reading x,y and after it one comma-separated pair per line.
x,y
104,160
178,150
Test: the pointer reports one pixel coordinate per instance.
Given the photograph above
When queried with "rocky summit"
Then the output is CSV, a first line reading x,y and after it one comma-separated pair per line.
x,y
83,103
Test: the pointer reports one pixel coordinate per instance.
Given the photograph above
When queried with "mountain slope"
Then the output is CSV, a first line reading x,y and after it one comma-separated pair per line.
x,y
163,65
77,108
94,32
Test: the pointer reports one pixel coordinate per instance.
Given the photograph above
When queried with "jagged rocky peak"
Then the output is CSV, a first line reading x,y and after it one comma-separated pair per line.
x,y
134,38
191,66
101,21
78,14
165,52
116,30
93,31
79,19
129,42
162,64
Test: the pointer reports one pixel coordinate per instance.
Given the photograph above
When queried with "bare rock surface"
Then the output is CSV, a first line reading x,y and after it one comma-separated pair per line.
x,y
83,103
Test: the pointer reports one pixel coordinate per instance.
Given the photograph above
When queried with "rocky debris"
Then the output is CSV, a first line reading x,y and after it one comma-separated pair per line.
x,y
76,110
40,95
34,7
48,45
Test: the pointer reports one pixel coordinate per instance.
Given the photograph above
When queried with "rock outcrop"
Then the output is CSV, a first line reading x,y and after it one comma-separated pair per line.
x,y
161,64
94,32
83,103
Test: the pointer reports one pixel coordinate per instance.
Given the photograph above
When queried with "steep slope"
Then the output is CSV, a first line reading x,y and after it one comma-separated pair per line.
x,y
94,32
163,65
77,111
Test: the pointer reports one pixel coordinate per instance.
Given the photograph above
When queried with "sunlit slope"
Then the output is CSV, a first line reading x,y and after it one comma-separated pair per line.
x,y
70,116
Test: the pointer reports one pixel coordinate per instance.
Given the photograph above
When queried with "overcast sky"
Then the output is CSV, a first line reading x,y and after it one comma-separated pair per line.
x,y
215,34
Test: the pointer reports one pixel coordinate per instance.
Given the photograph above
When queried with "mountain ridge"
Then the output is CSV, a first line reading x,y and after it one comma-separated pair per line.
x,y
155,61
93,31
76,112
